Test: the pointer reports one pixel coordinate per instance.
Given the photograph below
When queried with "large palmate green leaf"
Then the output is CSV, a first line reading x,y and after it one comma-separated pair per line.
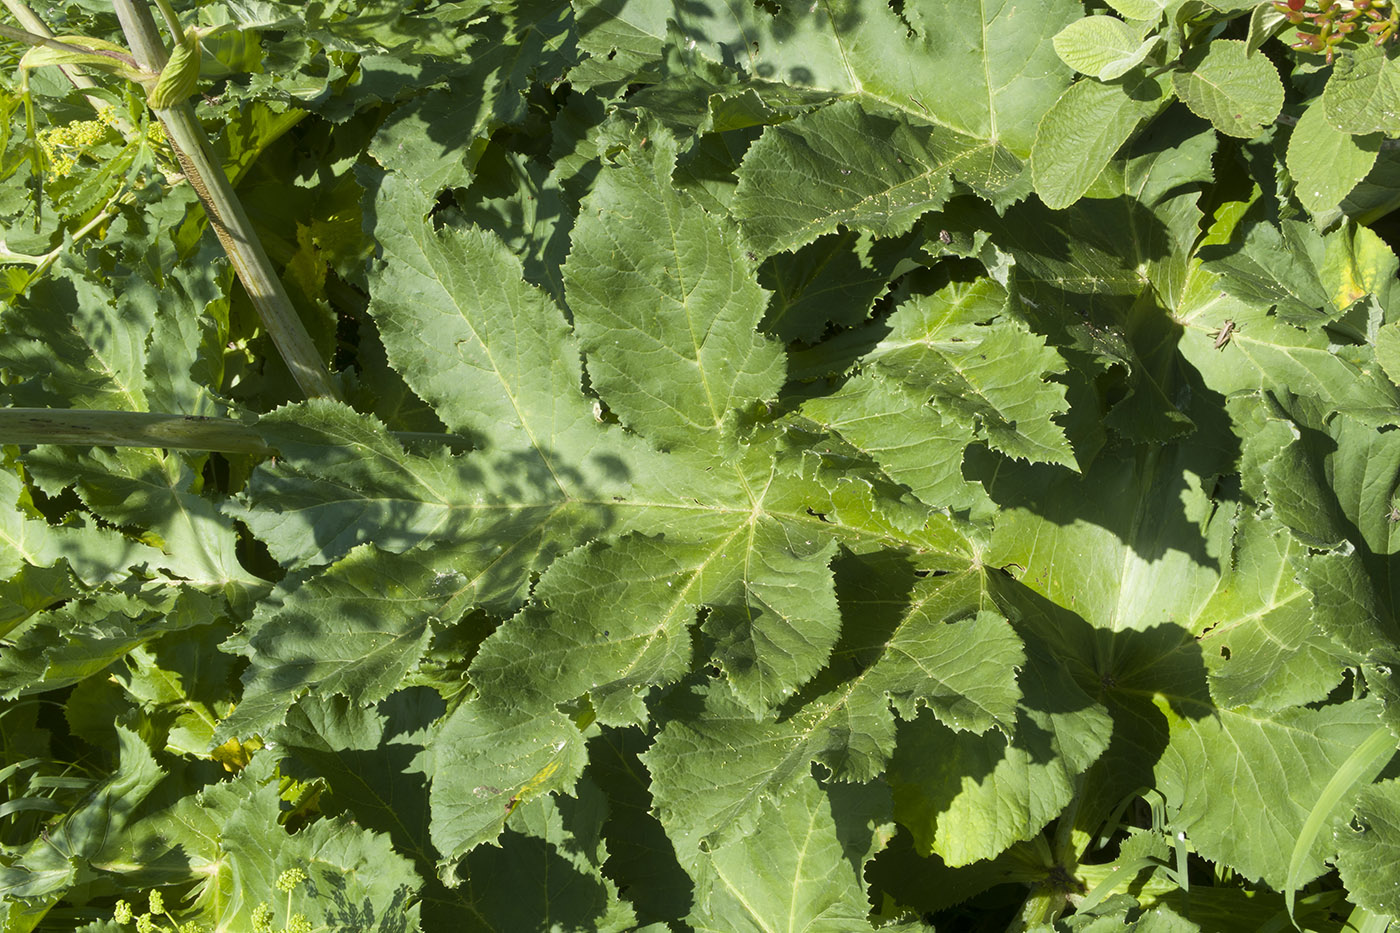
x,y
228,840
158,491
93,554
969,797
508,51
85,636
356,630
1002,63
846,166
975,365
787,465
1367,847
857,167
548,872
713,763
89,838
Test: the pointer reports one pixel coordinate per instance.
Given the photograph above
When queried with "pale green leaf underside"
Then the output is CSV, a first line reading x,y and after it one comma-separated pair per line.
x,y
485,767
1326,163
1102,47
1264,648
1363,94
1238,93
1223,767
1369,849
789,874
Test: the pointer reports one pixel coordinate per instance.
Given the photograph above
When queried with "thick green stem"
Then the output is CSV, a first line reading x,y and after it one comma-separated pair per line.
x,y
48,42
127,429
226,214
80,427
31,21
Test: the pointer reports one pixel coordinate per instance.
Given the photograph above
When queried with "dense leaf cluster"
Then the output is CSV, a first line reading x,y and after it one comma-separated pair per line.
x,y
796,466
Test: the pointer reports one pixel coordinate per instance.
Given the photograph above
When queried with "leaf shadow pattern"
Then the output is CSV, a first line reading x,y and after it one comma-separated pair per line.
x,y
1121,670
347,483
345,916
544,874
1154,500
641,858
436,136
1087,730
367,758
729,37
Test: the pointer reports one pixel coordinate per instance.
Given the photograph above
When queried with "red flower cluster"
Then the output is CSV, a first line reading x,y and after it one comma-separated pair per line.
x,y
1335,21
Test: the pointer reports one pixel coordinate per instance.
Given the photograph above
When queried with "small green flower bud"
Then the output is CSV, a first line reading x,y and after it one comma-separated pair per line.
x,y
262,918
289,879
122,912
157,903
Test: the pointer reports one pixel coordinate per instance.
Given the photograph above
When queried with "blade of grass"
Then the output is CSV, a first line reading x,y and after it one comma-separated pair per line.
x,y
1362,765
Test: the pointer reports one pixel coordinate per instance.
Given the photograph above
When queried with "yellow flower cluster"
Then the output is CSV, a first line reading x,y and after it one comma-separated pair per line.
x,y
263,915
63,145
123,913
262,922
287,881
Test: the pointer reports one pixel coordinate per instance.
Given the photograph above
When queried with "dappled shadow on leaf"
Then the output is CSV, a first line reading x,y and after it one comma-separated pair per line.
x,y
533,883
1087,725
724,30
1155,500
366,757
1123,671
346,916
345,485
641,859
515,196
434,138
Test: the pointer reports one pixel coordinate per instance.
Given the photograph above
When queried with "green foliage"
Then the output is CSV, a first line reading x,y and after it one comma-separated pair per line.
x,y
824,467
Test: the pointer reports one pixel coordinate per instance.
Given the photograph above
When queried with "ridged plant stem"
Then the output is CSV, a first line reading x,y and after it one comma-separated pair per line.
x,y
92,428
226,214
